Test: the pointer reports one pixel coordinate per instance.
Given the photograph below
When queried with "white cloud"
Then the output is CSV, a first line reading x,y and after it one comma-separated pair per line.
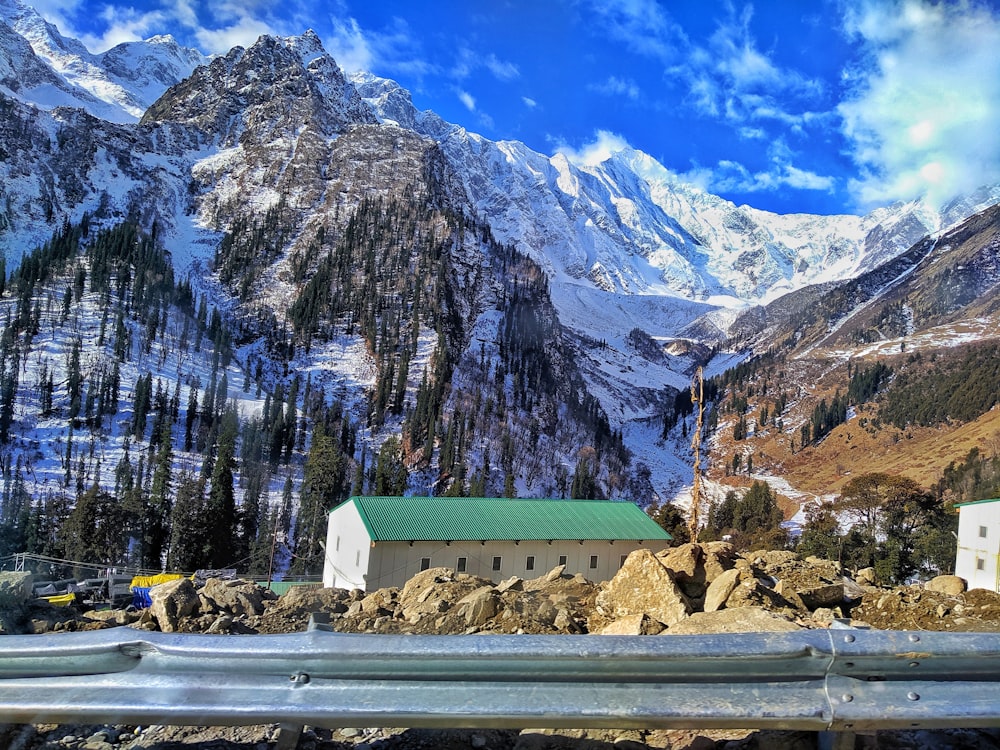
x,y
243,32
615,86
604,146
470,60
467,99
529,102
732,78
124,25
504,71
730,176
803,179
923,111
727,76
349,46
643,25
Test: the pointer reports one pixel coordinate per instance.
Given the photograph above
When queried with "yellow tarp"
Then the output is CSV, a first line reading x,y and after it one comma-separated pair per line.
x,y
60,600
144,582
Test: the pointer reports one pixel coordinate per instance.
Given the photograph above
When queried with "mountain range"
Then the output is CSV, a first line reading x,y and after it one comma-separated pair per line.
x,y
557,307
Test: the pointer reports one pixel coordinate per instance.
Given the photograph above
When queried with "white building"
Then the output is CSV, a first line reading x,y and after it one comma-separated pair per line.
x,y
375,542
978,556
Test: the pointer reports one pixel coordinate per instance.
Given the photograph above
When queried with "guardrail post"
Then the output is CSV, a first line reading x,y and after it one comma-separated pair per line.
x,y
837,741
288,736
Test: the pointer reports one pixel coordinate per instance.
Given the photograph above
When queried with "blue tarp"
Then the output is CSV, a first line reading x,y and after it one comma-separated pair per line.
x,y
140,597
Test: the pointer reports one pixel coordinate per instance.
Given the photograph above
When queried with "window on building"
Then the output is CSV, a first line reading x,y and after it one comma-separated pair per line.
x,y
336,547
980,564
425,563
460,566
357,558
496,562
982,532
621,563
562,559
593,561
529,563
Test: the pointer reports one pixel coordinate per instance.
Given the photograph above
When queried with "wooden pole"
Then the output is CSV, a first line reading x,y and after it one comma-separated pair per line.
x,y
697,398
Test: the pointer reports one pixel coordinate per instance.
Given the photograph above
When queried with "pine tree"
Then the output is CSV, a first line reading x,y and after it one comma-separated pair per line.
x,y
391,475
188,530
220,516
322,489
158,520
92,532
74,379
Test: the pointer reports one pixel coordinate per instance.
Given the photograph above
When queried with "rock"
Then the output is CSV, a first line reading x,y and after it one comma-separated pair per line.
x,y
809,583
644,585
112,616
951,585
822,561
379,603
15,587
852,591
555,574
865,577
172,601
752,593
695,566
290,612
564,621
15,593
737,620
773,558
424,580
685,561
718,558
824,617
720,589
434,591
511,584
234,597
633,625
480,606
221,624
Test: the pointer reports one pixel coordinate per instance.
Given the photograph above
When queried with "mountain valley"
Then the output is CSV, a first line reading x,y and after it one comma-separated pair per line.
x,y
239,290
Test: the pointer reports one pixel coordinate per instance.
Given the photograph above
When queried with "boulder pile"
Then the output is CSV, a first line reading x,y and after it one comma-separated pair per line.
x,y
693,588
690,589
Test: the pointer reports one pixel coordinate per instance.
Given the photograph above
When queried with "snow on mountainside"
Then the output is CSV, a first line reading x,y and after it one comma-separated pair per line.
x,y
628,225
118,85
635,259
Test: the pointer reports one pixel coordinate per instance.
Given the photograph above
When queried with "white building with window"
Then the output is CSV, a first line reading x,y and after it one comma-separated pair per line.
x,y
978,556
375,542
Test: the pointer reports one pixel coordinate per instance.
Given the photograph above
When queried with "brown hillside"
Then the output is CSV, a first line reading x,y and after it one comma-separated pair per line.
x,y
854,448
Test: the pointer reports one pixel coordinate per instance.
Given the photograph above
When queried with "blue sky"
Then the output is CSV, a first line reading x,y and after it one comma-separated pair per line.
x,y
825,106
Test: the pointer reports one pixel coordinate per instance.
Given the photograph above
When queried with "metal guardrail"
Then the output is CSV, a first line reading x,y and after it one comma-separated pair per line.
x,y
818,680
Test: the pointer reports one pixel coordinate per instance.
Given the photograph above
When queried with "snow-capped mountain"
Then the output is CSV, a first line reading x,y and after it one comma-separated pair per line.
x,y
273,142
118,85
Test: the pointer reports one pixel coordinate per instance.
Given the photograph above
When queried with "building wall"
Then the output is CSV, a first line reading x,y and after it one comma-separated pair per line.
x,y
348,549
978,556
394,563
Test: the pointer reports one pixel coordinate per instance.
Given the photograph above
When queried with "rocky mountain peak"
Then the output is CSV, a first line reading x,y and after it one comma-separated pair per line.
x,y
393,104
274,88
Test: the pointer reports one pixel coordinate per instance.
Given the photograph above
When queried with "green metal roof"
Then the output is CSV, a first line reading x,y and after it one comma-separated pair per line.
x,y
485,518
978,502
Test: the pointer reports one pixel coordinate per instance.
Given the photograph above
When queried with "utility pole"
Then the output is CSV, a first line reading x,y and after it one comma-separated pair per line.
x,y
698,399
